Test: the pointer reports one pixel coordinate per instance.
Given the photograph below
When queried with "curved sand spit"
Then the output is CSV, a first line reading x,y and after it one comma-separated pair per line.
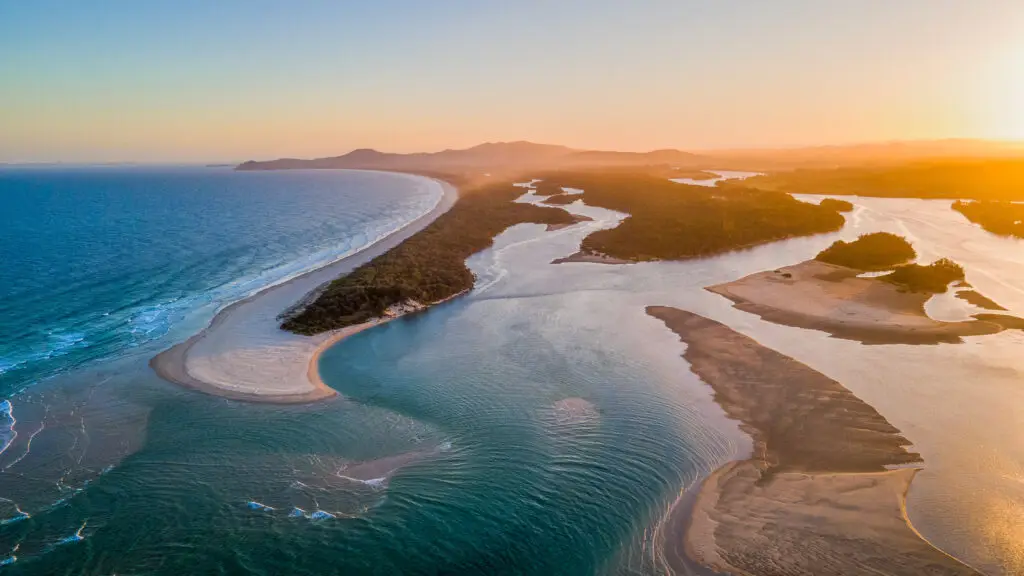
x,y
824,491
244,355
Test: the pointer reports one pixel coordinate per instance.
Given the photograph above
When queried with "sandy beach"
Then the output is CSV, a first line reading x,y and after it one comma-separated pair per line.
x,y
244,355
824,491
833,299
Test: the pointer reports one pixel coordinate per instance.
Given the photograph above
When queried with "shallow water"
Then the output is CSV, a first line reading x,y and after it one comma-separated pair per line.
x,y
504,483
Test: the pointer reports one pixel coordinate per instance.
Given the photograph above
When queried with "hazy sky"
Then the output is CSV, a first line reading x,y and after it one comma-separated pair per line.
x,y
232,80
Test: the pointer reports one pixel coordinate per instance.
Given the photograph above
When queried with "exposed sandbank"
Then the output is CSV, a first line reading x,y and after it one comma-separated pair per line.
x,y
244,355
979,300
824,491
834,299
380,470
577,218
591,257
575,410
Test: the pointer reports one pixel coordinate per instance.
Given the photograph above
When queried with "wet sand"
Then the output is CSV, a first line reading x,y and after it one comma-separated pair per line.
x,y
979,300
576,219
592,258
824,491
244,355
380,470
833,299
575,410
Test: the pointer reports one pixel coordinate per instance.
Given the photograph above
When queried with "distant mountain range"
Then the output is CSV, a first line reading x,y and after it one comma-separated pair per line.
x,y
489,156
500,156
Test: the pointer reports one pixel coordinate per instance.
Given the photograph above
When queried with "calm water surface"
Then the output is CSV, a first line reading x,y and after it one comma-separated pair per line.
x,y
505,483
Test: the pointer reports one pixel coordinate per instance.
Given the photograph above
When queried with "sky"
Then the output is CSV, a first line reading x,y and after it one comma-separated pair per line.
x,y
202,81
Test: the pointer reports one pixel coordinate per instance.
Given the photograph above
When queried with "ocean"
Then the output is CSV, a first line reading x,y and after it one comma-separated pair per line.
x,y
544,424
99,261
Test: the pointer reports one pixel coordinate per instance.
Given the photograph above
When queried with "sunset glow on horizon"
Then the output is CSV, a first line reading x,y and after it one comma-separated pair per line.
x,y
233,81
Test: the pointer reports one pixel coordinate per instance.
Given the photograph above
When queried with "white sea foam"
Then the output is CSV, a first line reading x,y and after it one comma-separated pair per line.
x,y
12,558
18,517
7,422
76,537
376,483
254,505
322,515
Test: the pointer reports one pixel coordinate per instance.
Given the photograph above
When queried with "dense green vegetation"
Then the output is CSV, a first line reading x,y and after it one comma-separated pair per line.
x,y
953,179
429,266
872,252
934,278
883,251
837,205
1004,218
543,188
670,221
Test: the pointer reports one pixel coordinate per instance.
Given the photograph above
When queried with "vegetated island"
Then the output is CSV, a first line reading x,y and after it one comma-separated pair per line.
x,y
836,204
830,294
1002,218
824,491
425,269
671,221
999,179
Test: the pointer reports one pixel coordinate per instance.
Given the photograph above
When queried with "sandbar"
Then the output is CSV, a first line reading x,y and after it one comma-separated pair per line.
x,y
834,299
591,257
380,470
824,490
244,354
574,410
576,219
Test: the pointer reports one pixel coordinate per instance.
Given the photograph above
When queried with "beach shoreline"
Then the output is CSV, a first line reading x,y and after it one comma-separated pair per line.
x,y
243,354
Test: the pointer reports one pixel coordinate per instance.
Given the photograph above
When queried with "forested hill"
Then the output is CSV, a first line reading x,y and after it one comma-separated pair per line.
x,y
428,267
670,221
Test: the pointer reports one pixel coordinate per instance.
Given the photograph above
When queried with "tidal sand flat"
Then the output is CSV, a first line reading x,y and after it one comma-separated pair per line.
x,y
245,355
824,490
837,300
569,411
